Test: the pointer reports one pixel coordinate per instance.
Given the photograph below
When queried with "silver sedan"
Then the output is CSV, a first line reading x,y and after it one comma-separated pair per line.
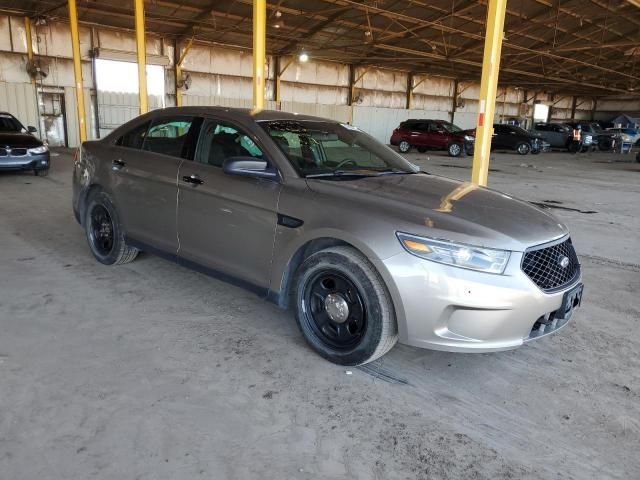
x,y
319,217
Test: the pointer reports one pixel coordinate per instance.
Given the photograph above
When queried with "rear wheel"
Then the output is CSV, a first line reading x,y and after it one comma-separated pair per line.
x,y
343,307
523,148
455,149
104,233
404,146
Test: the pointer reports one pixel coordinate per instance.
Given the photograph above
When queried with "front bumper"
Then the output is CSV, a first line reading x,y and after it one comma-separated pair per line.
x,y
447,308
25,162
469,147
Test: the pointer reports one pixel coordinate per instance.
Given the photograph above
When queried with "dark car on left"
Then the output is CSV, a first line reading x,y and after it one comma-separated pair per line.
x,y
19,148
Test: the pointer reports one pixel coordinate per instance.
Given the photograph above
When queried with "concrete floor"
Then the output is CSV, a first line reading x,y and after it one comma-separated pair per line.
x,y
152,371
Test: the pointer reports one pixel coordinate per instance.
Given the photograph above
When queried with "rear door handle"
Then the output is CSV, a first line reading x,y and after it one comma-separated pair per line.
x,y
118,164
193,179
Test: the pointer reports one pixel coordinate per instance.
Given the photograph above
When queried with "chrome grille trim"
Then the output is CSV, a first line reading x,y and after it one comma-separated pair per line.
x,y
541,264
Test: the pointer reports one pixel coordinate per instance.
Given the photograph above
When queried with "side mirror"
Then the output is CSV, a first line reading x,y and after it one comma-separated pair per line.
x,y
31,129
249,167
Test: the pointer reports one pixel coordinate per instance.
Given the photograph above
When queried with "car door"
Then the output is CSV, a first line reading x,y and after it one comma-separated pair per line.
x,y
438,136
417,134
144,166
559,136
498,140
226,223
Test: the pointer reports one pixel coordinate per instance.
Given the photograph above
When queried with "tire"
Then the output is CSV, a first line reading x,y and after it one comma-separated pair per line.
x,y
41,173
343,307
523,148
455,149
404,146
422,149
605,145
104,232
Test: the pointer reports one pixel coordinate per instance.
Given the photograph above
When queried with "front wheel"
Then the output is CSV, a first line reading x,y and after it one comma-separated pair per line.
x,y
343,308
454,149
41,173
523,148
404,146
104,233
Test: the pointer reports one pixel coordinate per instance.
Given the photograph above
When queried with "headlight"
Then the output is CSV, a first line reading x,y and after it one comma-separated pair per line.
x,y
469,138
626,138
39,150
456,254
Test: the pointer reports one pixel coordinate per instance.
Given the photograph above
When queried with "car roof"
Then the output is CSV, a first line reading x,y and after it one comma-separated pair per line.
x,y
244,113
425,120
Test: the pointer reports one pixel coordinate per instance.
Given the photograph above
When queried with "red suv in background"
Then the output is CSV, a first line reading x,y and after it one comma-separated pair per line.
x,y
432,135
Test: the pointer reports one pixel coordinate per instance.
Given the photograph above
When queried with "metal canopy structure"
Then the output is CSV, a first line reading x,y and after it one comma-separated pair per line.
x,y
588,47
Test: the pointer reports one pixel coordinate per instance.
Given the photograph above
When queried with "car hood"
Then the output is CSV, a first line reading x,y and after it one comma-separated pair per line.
x,y
18,139
439,207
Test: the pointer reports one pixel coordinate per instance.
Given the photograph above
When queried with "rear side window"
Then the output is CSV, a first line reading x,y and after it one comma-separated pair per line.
x,y
169,136
134,138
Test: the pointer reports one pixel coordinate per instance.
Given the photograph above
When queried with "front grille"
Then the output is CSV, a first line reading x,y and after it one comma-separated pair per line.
x,y
18,152
543,265
3,152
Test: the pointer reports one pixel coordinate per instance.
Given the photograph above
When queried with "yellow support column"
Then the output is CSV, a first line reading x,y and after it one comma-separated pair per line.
x,y
141,49
179,59
259,51
27,30
77,69
488,86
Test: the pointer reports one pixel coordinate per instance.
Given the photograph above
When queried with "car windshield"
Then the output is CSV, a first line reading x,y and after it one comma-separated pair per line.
x,y
9,124
518,130
451,128
324,148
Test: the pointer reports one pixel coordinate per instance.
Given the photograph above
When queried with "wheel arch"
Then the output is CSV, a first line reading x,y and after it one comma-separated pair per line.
x,y
84,197
308,247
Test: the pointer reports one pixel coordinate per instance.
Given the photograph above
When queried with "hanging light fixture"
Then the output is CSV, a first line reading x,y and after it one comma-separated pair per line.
x,y
278,23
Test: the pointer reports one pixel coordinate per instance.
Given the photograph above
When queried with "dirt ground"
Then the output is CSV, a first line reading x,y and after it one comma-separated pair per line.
x,y
153,371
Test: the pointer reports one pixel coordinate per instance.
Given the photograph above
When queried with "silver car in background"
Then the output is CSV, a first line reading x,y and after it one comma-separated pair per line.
x,y
319,217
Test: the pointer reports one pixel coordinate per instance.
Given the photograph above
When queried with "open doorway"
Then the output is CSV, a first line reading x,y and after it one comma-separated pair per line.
x,y
117,94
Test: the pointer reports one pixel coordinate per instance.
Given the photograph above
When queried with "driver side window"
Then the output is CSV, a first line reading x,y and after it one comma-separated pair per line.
x,y
220,140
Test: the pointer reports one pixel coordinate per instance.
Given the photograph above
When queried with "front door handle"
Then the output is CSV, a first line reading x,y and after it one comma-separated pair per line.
x,y
193,179
118,164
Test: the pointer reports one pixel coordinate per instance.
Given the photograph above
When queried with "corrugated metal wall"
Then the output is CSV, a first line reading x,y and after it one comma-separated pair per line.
x,y
116,108
20,100
222,76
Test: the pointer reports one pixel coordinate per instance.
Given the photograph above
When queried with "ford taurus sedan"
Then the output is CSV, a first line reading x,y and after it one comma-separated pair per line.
x,y
319,217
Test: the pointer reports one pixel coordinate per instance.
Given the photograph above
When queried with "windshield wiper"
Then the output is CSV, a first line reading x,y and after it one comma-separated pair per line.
x,y
340,173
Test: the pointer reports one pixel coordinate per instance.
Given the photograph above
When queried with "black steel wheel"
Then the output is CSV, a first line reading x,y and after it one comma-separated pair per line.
x,y
335,309
343,307
103,230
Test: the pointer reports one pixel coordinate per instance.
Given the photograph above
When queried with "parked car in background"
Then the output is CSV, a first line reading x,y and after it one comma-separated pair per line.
x,y
601,138
557,134
19,149
432,135
510,137
630,135
320,217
